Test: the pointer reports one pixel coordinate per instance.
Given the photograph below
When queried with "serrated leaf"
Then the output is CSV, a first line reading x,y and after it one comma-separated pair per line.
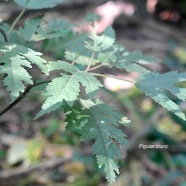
x,y
35,58
121,58
31,28
136,56
48,110
131,61
15,58
110,167
77,53
158,86
35,4
16,74
108,139
100,43
66,88
99,123
36,30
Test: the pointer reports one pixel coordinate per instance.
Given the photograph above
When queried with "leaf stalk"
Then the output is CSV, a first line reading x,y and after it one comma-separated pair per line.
x,y
96,67
114,77
90,63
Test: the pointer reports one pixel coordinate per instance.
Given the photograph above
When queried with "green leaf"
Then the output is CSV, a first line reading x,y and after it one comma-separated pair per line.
x,y
133,61
98,123
36,30
15,58
31,28
35,4
98,43
160,86
121,58
66,88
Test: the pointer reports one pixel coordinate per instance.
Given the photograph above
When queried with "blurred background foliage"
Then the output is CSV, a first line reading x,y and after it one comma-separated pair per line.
x,y
29,149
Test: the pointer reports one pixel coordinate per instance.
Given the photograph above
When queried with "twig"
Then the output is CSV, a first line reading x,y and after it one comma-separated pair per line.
x,y
16,20
11,175
96,67
21,96
114,77
4,35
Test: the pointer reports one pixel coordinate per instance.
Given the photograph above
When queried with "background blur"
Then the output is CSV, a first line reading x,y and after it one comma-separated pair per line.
x,y
39,153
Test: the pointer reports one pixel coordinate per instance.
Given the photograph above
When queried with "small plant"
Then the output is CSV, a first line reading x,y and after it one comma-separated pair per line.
x,y
74,87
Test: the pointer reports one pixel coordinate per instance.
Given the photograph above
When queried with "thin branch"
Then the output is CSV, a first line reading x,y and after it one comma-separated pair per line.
x,y
16,20
90,63
114,77
21,96
96,67
4,35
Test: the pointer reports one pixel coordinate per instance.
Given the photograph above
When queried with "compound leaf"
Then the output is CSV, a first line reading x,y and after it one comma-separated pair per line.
x,y
130,61
14,60
133,61
160,87
35,4
66,88
78,53
16,74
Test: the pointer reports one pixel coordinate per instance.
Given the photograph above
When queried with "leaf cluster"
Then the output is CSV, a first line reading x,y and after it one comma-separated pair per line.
x,y
75,85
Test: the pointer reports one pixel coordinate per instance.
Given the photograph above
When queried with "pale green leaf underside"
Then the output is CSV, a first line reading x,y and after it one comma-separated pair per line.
x,y
38,4
62,65
80,58
87,103
66,88
15,58
160,86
